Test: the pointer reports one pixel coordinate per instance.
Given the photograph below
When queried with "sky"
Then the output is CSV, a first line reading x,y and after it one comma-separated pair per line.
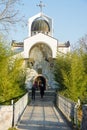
x,y
69,19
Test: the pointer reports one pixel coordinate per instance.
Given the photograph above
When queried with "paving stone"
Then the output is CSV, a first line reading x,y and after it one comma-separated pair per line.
x,y
42,115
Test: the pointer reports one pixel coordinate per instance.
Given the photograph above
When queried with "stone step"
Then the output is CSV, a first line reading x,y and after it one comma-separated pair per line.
x,y
49,96
46,93
45,98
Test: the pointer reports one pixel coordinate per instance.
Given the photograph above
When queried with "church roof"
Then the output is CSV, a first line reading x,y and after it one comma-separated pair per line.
x,y
40,24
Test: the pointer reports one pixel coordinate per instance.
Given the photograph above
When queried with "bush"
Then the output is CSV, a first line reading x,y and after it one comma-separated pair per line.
x,y
12,76
12,128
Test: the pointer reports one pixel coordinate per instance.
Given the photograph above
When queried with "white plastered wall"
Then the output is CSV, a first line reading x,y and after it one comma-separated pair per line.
x,y
31,41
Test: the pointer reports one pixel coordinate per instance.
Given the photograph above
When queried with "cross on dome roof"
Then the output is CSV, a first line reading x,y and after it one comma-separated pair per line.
x,y
41,5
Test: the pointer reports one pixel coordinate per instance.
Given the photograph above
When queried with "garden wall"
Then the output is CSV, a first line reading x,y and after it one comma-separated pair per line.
x,y
5,117
9,115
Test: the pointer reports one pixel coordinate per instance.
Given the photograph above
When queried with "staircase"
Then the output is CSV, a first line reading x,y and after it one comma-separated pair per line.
x,y
49,96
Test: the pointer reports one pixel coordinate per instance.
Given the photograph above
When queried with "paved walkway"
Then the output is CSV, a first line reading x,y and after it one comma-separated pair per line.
x,y
42,115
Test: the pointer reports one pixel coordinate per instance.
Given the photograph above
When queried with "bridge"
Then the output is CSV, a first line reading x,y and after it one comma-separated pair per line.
x,y
42,114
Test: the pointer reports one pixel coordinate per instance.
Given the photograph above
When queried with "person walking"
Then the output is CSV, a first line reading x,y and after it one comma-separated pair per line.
x,y
41,86
33,91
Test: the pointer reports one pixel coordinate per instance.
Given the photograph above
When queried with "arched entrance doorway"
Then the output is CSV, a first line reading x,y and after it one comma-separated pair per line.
x,y
40,79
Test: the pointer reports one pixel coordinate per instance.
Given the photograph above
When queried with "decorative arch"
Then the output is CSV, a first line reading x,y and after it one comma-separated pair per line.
x,y
40,51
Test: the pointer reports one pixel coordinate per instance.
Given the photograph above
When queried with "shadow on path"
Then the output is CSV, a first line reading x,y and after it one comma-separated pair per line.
x,y
42,115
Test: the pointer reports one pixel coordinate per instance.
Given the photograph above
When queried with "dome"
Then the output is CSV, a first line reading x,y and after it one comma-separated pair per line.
x,y
40,25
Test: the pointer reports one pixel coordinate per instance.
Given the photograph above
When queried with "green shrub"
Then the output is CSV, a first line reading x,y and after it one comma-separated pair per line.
x,y
12,128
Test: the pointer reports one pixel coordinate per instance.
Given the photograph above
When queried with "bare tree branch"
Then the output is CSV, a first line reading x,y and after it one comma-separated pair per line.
x,y
9,14
83,43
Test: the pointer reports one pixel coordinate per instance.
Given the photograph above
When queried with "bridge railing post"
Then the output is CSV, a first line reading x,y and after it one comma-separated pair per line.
x,y
75,117
12,103
76,112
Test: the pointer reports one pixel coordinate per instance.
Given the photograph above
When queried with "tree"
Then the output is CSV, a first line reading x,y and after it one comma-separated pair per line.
x,y
8,14
78,76
62,65
12,76
83,43
71,73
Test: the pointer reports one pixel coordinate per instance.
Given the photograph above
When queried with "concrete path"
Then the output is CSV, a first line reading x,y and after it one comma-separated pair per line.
x,y
42,115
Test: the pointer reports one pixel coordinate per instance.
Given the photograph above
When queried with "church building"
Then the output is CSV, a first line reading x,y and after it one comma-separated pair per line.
x,y
39,50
